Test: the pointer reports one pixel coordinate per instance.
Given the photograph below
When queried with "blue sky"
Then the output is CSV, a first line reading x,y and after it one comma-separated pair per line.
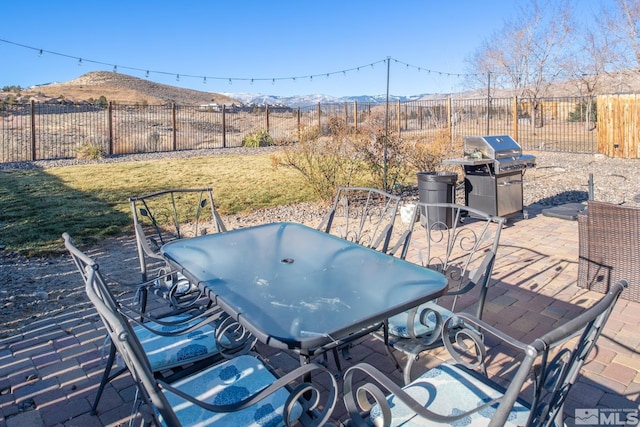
x,y
243,40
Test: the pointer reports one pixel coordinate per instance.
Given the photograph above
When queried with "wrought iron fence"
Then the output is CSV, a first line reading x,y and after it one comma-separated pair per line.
x,y
52,131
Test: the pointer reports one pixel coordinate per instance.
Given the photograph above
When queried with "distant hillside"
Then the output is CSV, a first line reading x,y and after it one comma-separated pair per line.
x,y
124,89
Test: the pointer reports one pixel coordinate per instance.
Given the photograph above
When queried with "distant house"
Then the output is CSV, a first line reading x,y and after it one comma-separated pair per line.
x,y
229,107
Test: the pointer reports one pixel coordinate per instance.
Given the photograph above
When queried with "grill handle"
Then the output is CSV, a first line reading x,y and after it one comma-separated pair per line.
x,y
508,183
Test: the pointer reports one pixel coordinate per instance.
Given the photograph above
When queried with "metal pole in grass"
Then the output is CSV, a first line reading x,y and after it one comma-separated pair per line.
x,y
386,131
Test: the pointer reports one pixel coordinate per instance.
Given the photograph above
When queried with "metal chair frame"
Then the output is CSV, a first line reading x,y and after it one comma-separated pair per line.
x,y
550,363
462,245
162,217
362,215
191,320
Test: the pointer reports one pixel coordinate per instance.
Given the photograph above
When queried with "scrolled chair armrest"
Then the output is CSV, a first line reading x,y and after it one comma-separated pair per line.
x,y
303,393
173,324
233,339
421,314
464,329
358,399
182,320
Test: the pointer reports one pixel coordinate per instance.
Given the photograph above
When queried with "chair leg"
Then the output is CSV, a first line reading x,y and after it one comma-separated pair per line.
x,y
106,378
144,295
336,358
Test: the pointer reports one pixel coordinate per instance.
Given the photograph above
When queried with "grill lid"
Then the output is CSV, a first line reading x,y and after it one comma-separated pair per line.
x,y
491,147
500,151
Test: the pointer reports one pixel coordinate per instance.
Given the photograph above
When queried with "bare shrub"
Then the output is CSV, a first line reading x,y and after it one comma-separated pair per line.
x,y
257,138
92,149
324,162
383,152
426,154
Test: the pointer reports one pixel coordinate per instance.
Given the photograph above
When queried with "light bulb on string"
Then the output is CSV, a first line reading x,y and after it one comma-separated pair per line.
x,y
273,81
79,62
115,68
252,82
40,53
230,82
177,77
204,80
146,74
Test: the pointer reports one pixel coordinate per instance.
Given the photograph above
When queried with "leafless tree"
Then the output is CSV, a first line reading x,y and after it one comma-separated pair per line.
x,y
588,67
527,55
623,25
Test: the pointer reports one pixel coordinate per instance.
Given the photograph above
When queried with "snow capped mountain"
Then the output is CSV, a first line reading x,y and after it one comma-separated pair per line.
x,y
307,100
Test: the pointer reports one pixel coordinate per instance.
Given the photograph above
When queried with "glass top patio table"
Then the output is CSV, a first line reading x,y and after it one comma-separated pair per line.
x,y
295,287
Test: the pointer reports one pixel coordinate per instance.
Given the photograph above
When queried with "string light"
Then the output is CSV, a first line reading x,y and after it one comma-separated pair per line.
x,y
81,61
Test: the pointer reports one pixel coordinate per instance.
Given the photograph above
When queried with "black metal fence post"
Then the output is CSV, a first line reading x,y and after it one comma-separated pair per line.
x,y
224,127
33,131
110,126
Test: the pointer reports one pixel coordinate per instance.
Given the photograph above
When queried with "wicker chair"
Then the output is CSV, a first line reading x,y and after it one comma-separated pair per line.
x,y
529,391
609,247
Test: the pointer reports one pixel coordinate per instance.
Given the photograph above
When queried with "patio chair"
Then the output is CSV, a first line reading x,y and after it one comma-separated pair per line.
x,y
239,391
162,217
365,216
362,215
609,244
176,343
461,392
461,243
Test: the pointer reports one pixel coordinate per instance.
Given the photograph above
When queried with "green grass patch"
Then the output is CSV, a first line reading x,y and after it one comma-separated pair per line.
x,y
91,201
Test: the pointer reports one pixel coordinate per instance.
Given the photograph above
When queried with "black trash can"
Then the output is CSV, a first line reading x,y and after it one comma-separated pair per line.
x,y
437,187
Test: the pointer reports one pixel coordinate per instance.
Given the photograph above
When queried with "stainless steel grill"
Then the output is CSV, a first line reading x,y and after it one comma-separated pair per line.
x,y
494,167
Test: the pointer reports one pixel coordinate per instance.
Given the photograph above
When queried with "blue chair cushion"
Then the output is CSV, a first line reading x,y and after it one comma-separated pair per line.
x,y
448,390
227,383
166,352
398,323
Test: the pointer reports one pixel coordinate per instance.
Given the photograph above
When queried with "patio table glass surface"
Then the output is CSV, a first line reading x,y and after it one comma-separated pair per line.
x,y
298,288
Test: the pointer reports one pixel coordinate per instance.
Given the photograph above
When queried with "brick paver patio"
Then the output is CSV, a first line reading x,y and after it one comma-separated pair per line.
x,y
49,374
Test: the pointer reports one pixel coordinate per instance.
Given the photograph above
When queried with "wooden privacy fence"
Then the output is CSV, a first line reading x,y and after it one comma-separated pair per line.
x,y
39,131
619,126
